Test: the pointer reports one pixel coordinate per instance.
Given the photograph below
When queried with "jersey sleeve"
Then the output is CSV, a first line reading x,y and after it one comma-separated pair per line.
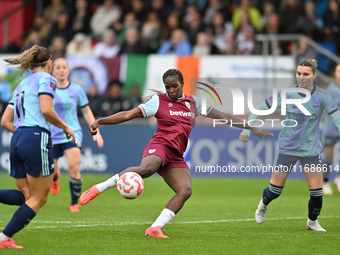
x,y
47,86
198,103
11,102
82,98
328,105
150,107
269,101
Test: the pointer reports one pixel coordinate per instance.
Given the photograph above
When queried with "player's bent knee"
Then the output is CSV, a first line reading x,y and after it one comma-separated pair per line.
x,y
185,193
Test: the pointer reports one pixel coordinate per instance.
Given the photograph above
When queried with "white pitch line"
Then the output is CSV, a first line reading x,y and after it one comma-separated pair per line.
x,y
85,224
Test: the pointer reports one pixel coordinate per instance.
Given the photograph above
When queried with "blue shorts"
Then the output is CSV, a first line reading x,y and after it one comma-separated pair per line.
x,y
330,141
30,152
285,163
58,149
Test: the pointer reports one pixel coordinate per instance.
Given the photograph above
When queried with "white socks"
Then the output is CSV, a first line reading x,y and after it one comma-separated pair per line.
x,y
109,183
165,217
3,237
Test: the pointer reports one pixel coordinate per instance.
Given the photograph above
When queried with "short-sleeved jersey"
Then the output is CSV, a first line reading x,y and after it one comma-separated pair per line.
x,y
66,104
303,140
25,100
329,128
175,119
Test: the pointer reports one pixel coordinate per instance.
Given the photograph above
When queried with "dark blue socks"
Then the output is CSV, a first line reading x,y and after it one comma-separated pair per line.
x,y
315,203
20,219
271,193
75,188
11,197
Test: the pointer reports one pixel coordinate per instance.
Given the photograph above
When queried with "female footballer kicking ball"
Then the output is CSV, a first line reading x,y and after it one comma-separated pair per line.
x,y
175,113
300,142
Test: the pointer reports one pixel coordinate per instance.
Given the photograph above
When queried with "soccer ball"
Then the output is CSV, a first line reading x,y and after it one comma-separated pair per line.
x,y
130,185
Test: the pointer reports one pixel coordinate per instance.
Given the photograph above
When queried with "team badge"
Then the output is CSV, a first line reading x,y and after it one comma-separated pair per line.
x,y
187,104
53,85
170,104
152,150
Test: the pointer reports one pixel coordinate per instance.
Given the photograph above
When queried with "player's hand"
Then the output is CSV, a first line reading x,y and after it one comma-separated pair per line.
x,y
262,133
70,133
99,139
243,138
93,128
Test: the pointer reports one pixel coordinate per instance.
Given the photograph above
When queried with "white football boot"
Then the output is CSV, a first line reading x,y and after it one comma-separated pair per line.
x,y
314,225
260,214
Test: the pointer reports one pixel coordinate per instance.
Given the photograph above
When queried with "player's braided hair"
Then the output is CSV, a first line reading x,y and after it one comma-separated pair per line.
x,y
174,72
33,57
309,62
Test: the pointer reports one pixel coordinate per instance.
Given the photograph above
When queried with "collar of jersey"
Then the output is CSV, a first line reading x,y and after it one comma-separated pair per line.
x,y
179,99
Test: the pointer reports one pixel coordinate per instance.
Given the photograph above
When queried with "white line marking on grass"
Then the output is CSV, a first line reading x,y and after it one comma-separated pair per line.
x,y
86,224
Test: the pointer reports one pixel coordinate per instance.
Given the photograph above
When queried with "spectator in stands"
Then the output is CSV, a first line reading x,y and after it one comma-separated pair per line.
x,y
199,4
61,27
204,46
42,26
135,97
268,10
222,33
132,44
130,21
106,15
178,7
253,13
305,51
245,43
51,12
95,100
193,25
151,31
159,7
178,44
309,23
272,26
79,46
172,23
332,22
32,39
138,8
58,47
81,17
109,47
289,15
214,7
116,101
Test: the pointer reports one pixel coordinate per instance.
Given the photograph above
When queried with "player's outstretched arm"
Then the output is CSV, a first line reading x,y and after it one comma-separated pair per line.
x,y
116,118
216,114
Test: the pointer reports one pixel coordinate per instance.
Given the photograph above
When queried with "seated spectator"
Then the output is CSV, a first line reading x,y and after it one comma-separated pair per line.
x,y
79,46
159,7
222,33
132,44
138,8
61,27
305,51
42,26
204,46
135,97
309,23
109,47
193,24
130,21
32,39
268,10
289,14
116,101
58,47
177,45
106,14
95,100
178,7
81,17
272,26
253,13
172,23
151,31
52,11
332,22
245,43
215,6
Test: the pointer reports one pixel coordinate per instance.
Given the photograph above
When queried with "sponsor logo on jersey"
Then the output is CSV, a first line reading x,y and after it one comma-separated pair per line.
x,y
181,113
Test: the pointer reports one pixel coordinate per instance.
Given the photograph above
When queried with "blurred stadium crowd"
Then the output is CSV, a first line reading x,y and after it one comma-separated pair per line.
x,y
109,28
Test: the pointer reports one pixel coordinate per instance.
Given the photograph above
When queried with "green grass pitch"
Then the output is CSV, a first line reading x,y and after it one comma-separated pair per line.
x,y
217,219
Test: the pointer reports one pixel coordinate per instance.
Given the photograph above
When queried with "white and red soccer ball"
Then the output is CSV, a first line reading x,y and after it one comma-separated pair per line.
x,y
130,185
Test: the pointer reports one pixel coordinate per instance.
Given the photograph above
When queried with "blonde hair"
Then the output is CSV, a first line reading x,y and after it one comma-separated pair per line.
x,y
57,60
309,62
151,94
31,58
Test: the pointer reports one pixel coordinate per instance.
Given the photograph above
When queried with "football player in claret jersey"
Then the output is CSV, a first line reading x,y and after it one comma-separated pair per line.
x,y
68,97
175,114
299,142
28,116
330,137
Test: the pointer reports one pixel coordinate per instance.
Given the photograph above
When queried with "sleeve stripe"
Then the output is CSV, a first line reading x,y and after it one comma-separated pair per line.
x,y
335,110
45,93
142,110
84,105
11,105
209,110
267,104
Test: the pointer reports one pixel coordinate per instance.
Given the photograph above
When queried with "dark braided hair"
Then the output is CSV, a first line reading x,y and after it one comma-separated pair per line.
x,y
309,62
174,72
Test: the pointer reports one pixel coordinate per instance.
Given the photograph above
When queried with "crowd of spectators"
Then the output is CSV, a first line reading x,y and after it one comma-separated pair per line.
x,y
107,28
